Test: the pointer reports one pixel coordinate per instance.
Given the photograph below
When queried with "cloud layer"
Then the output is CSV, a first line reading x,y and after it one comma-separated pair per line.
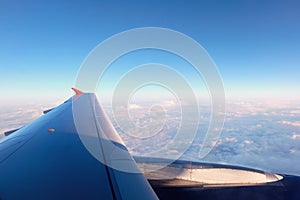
x,y
259,134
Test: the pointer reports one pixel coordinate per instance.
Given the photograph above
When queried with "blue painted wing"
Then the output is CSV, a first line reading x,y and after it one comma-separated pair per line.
x,y
47,160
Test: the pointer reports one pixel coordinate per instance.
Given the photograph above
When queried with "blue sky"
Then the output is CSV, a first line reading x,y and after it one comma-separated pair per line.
x,y
255,44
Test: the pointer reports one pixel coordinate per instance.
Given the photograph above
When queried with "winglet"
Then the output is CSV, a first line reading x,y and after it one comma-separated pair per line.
x,y
77,93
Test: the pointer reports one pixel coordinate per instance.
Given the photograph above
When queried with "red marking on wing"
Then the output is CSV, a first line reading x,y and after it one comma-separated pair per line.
x,y
77,92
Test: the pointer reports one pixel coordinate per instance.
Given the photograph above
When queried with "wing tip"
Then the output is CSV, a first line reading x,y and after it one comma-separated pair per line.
x,y
77,92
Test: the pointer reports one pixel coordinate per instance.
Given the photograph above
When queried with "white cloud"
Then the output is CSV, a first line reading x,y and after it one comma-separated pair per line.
x,y
134,106
230,139
295,136
296,123
248,142
169,103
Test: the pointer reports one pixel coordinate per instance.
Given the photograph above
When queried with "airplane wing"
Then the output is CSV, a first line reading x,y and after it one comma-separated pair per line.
x,y
47,160
195,180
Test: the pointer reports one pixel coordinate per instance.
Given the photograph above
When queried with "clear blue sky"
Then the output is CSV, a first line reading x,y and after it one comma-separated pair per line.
x,y
255,43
